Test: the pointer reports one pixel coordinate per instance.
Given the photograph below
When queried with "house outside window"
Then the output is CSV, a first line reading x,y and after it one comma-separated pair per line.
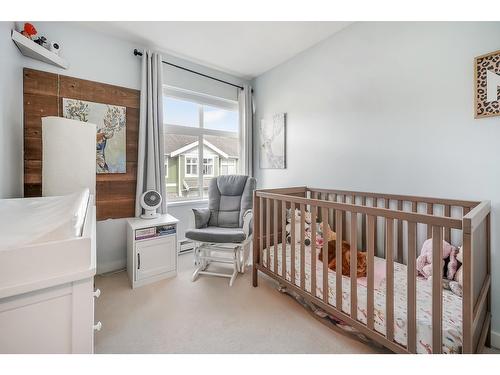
x,y
208,166
191,166
198,127
228,166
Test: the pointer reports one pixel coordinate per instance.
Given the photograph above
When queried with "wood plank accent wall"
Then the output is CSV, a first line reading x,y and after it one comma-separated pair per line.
x,y
43,93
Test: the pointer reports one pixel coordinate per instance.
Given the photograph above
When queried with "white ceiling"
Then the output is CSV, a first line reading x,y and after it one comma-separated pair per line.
x,y
244,49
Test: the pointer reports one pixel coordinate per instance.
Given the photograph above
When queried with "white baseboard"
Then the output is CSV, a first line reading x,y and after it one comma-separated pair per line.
x,y
111,266
495,339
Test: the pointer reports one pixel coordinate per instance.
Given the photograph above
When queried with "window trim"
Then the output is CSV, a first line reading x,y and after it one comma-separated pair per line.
x,y
226,163
197,164
212,158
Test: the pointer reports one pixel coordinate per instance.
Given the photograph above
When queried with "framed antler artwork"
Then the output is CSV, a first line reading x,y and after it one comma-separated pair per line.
x,y
272,142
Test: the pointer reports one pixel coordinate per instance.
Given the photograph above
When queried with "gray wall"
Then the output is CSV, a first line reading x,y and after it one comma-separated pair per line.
x,y
93,56
11,108
388,107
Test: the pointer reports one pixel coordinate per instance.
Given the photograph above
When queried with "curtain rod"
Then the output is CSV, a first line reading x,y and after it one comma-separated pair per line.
x,y
138,53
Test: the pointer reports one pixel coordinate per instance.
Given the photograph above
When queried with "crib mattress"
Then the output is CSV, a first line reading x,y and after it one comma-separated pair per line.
x,y
452,304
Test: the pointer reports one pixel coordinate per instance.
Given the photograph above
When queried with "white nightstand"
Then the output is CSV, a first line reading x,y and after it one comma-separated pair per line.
x,y
151,249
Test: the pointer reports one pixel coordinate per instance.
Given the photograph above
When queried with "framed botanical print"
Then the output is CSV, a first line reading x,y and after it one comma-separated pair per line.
x,y
487,85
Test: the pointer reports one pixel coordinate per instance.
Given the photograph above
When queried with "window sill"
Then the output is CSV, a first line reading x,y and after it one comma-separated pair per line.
x,y
186,202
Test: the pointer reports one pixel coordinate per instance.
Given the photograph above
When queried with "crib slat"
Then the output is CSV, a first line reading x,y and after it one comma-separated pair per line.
x,y
430,210
363,224
302,247
338,256
387,204
334,199
412,288
324,215
275,235
375,204
354,266
330,212
292,243
447,231
344,226
370,235
389,295
261,230
400,235
268,233
283,239
437,289
414,206
313,250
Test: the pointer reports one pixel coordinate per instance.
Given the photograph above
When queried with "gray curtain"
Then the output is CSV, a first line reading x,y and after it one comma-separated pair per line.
x,y
150,158
247,110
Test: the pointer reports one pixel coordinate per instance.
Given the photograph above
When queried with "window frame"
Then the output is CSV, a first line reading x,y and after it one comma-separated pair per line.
x,y
211,158
226,163
201,131
191,164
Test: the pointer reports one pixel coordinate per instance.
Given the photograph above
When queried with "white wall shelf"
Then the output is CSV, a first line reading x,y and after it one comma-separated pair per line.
x,y
35,51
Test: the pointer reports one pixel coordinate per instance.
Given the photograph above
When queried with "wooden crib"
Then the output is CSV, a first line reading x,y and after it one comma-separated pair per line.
x,y
385,226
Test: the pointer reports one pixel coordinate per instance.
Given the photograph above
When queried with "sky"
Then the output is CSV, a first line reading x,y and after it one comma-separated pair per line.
x,y
181,112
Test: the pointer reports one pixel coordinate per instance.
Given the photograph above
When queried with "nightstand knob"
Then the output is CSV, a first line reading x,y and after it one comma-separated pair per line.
x,y
98,326
97,293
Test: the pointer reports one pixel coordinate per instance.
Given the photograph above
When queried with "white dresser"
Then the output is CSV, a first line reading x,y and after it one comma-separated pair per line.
x,y
151,249
47,292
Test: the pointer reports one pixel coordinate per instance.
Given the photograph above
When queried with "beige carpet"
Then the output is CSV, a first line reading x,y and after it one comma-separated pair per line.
x,y
207,316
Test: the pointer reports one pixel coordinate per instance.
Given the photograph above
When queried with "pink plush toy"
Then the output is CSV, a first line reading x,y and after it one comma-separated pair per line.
x,y
424,260
452,264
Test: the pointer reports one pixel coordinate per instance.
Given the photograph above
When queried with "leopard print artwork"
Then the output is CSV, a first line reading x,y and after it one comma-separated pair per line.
x,y
491,62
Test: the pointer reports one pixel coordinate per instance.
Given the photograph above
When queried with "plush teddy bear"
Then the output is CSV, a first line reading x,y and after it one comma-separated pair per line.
x,y
459,277
454,283
307,227
322,236
424,260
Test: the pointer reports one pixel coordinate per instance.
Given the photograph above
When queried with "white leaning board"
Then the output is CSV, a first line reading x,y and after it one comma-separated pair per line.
x,y
151,259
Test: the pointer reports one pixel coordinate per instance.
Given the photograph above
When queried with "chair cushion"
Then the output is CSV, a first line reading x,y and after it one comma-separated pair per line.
x,y
216,234
229,198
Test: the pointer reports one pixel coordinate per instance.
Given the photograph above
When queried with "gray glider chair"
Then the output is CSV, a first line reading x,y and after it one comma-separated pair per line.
x,y
223,231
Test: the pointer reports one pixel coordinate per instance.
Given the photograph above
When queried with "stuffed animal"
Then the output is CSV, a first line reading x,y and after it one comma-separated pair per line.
x,y
29,31
452,265
424,260
459,276
454,277
307,227
346,259
321,235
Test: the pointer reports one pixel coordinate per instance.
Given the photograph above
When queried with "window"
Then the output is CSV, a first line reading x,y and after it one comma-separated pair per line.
x,y
191,166
198,128
228,166
208,166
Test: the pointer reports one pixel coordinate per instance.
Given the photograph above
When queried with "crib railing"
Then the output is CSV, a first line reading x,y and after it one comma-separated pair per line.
x,y
354,216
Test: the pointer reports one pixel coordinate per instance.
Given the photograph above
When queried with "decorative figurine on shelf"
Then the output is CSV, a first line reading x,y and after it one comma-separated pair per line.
x,y
29,31
54,47
41,41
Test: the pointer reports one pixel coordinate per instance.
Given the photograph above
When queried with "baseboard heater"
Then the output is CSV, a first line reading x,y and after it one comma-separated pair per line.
x,y
185,246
